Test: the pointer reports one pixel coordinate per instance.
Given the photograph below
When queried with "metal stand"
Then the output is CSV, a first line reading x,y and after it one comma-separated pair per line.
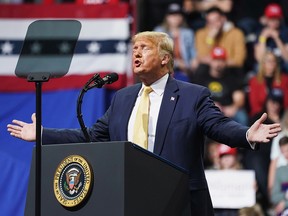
x,y
93,82
38,79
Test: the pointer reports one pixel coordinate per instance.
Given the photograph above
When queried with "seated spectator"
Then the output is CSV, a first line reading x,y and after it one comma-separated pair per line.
x,y
273,36
260,160
194,10
219,32
277,159
228,158
204,5
211,154
184,50
226,89
255,210
268,77
279,195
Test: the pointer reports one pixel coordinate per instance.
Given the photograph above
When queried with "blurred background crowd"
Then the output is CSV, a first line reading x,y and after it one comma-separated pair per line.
x,y
239,51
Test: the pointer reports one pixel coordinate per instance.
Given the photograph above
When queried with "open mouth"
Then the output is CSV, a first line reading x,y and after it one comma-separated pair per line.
x,y
137,63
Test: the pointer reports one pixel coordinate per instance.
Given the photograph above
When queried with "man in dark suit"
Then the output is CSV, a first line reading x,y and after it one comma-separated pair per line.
x,y
181,114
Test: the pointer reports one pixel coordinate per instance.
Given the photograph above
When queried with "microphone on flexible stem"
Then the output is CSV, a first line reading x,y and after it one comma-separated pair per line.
x,y
98,82
108,79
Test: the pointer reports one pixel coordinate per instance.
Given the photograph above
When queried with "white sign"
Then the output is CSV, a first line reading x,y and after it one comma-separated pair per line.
x,y
232,189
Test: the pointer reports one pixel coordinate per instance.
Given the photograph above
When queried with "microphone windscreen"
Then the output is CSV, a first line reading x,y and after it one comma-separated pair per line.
x,y
112,77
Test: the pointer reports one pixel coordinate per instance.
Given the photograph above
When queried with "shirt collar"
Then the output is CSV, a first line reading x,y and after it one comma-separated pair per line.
x,y
158,86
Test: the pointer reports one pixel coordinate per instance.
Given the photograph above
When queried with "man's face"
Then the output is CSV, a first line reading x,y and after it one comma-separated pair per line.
x,y
273,107
146,60
215,20
218,65
228,161
273,23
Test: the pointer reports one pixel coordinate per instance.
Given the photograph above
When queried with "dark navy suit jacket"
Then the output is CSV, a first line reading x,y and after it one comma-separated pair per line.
x,y
186,114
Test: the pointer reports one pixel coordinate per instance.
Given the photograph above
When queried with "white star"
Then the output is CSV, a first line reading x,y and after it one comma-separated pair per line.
x,y
121,47
64,47
7,48
93,47
36,48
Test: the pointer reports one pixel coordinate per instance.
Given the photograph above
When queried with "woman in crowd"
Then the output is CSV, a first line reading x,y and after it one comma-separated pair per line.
x,y
268,77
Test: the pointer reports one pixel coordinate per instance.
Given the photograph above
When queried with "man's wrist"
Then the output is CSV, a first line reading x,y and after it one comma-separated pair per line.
x,y
252,144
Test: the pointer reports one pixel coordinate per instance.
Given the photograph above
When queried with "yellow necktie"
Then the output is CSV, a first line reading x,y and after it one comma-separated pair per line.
x,y
140,136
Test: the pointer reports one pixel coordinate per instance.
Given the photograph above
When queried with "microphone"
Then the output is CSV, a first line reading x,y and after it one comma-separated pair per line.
x,y
97,82
108,79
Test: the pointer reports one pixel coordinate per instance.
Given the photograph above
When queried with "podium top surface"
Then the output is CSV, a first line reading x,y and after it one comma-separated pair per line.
x,y
113,146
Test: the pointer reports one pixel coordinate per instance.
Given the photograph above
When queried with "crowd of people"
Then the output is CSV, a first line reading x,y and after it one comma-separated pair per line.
x,y
245,67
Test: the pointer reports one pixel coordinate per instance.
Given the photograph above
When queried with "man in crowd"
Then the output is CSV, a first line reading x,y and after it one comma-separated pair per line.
x,y
273,36
219,32
227,90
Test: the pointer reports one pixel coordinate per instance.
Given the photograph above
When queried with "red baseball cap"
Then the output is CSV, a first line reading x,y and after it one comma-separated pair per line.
x,y
273,11
226,150
218,53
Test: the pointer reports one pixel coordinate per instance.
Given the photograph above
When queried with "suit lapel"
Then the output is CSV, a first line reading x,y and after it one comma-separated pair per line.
x,y
167,108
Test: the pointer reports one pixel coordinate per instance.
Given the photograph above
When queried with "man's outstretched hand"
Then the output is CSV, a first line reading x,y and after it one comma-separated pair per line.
x,y
262,133
23,130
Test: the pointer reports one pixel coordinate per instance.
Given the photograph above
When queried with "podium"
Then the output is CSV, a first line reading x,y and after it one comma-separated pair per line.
x,y
124,180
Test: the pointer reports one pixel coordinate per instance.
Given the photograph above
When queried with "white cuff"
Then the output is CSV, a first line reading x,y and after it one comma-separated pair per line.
x,y
252,145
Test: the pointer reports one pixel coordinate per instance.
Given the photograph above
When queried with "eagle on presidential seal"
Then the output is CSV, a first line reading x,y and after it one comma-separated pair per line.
x,y
73,183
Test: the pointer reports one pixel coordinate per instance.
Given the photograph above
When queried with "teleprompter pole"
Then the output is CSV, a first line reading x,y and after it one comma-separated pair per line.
x,y
38,79
38,148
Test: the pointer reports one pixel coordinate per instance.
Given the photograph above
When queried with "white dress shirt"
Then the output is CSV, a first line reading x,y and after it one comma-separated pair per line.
x,y
155,97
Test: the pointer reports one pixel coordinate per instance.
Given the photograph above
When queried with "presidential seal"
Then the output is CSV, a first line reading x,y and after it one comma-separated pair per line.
x,y
72,181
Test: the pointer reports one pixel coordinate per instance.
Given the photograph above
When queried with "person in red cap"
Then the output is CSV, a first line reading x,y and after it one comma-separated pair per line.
x,y
226,89
273,36
228,158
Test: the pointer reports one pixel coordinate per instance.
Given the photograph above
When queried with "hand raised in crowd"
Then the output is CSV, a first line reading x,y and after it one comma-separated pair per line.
x,y
23,130
263,133
214,31
274,34
270,33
